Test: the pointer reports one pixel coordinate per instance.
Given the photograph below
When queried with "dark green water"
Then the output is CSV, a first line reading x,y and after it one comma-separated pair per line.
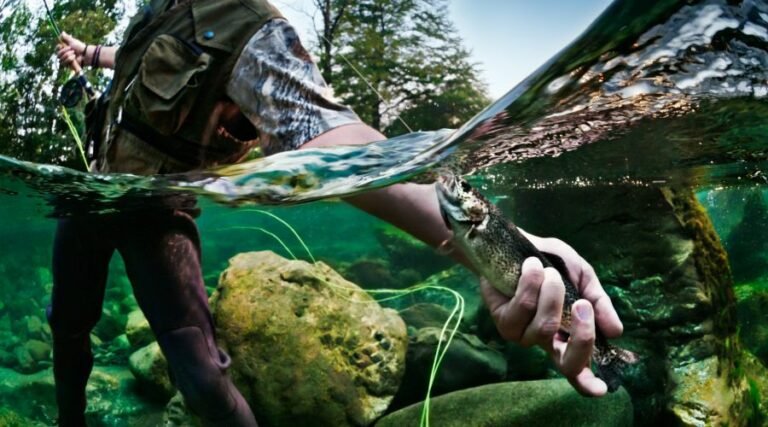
x,y
654,100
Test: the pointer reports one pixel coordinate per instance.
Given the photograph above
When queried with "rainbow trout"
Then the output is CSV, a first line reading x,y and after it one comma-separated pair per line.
x,y
497,249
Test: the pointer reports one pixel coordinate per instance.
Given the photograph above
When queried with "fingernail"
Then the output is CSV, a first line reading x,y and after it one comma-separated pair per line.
x,y
583,312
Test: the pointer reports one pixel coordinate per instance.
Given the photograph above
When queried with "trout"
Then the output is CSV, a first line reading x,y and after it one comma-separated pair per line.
x,y
497,249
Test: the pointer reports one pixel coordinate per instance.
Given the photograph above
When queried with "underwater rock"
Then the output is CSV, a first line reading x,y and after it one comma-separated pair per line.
x,y
702,395
149,367
406,254
111,325
373,274
661,261
456,278
33,327
467,363
38,350
753,320
111,398
137,330
9,418
305,350
177,414
24,361
527,403
757,378
425,315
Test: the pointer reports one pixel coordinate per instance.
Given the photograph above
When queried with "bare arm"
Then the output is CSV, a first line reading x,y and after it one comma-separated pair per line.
x,y
533,315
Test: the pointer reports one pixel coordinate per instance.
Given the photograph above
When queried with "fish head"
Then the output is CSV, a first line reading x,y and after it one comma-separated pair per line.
x,y
462,206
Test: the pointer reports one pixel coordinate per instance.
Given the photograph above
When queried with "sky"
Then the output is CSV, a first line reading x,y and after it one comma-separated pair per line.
x,y
509,39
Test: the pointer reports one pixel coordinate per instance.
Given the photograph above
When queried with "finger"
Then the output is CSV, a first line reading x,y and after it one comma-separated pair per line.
x,y
605,314
587,384
578,351
522,307
68,58
66,38
493,299
549,312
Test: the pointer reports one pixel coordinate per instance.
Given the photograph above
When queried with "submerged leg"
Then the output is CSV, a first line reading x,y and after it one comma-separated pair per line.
x,y
162,256
81,257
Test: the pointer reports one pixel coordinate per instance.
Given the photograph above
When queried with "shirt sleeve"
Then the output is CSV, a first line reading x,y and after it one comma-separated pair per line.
x,y
281,91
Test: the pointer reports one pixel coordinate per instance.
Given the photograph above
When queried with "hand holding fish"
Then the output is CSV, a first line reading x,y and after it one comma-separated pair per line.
x,y
530,300
533,316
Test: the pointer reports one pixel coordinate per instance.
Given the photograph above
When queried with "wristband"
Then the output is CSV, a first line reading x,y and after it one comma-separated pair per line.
x,y
85,54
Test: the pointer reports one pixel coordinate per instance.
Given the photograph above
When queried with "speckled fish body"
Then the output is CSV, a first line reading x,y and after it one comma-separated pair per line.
x,y
497,249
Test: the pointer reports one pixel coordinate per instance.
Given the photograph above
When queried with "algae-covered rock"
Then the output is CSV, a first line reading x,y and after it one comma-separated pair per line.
x,y
38,350
757,378
425,315
307,346
9,418
149,367
137,330
702,394
468,362
111,398
530,403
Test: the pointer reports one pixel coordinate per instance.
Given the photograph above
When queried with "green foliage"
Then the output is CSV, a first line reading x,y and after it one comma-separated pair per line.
x,y
394,57
31,126
756,417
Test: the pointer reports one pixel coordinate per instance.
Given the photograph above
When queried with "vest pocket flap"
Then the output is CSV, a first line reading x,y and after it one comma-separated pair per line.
x,y
170,65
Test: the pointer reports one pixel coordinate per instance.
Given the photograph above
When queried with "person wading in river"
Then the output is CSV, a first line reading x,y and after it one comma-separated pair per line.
x,y
200,83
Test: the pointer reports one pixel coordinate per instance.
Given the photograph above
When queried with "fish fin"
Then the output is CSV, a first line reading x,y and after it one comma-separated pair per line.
x,y
611,363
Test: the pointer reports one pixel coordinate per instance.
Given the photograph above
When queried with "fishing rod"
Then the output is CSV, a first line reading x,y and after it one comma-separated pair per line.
x,y
72,91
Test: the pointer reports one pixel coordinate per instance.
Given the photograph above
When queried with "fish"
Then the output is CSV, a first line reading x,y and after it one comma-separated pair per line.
x,y
497,249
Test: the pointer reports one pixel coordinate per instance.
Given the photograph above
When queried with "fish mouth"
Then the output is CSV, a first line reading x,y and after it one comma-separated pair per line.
x,y
449,195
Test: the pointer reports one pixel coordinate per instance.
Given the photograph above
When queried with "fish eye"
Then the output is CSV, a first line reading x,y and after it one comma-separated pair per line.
x,y
465,186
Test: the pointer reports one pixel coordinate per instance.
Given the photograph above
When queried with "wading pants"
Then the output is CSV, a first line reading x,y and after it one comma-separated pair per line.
x,y
161,250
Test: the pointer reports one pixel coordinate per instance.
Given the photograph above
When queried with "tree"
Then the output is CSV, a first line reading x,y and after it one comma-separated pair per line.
x,y
395,57
31,123
331,13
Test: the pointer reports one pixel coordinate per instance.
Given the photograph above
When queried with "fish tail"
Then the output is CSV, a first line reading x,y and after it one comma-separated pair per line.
x,y
610,364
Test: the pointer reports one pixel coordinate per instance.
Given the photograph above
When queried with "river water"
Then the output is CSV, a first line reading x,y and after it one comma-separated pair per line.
x,y
664,94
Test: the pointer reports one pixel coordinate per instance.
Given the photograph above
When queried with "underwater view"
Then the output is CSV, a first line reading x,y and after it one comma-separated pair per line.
x,y
643,145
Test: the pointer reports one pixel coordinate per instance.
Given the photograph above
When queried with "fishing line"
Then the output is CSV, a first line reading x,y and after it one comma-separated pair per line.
x,y
269,233
359,74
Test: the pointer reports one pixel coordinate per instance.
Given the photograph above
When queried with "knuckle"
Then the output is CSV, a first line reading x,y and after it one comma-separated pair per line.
x,y
552,276
528,303
547,328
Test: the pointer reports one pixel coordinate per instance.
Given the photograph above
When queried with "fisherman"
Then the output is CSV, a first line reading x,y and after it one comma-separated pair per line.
x,y
200,83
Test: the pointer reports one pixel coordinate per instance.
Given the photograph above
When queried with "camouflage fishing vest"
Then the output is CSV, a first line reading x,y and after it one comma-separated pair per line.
x,y
166,103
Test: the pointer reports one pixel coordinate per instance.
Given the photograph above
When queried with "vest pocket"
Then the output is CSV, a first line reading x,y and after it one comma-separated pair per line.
x,y
169,79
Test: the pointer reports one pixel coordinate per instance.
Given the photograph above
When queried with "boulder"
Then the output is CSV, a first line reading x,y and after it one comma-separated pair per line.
x,y
137,330
468,362
38,350
149,367
528,403
307,346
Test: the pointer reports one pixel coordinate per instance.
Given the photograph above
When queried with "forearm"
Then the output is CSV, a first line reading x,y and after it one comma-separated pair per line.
x,y
106,56
411,207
